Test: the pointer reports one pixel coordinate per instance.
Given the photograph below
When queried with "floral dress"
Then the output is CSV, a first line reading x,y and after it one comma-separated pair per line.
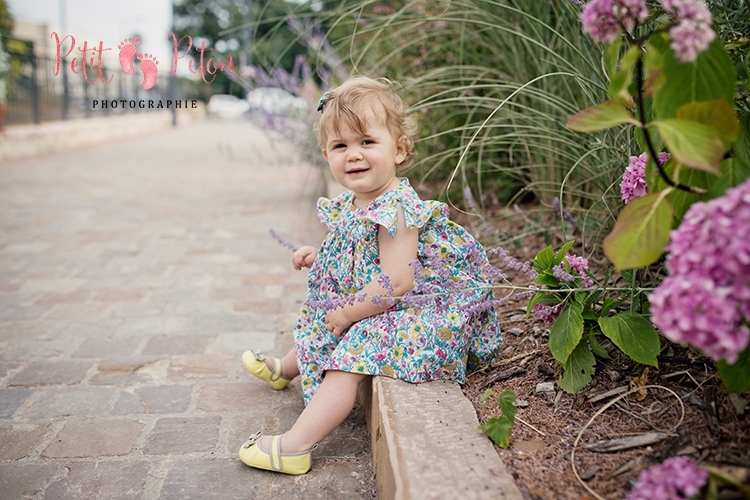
x,y
428,335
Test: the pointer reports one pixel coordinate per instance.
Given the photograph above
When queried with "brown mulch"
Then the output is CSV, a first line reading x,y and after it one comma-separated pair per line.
x,y
713,431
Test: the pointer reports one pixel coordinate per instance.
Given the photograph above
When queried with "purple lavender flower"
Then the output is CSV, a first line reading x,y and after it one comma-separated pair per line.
x,y
633,183
469,198
562,275
563,213
603,19
547,313
707,295
282,241
678,478
691,33
385,281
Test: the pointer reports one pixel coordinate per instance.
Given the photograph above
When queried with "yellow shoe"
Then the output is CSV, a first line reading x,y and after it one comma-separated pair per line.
x,y
254,455
255,365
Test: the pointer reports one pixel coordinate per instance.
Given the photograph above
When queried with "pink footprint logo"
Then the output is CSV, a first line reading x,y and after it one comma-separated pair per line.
x,y
148,67
127,51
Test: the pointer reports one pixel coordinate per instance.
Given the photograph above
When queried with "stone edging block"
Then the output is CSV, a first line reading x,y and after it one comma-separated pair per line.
x,y
426,444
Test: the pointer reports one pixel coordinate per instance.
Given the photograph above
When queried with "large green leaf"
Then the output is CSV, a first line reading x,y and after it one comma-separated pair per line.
x,y
600,117
640,233
710,77
736,376
692,143
578,369
634,335
734,172
717,114
566,332
742,147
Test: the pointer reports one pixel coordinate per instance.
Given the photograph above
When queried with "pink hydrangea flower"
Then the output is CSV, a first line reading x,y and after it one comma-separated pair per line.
x,y
633,183
707,295
692,33
603,19
678,478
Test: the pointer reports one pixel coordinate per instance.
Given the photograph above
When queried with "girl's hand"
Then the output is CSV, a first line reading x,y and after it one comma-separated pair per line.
x,y
337,322
303,257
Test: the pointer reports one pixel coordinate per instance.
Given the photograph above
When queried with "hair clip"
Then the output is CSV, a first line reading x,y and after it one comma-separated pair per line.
x,y
322,102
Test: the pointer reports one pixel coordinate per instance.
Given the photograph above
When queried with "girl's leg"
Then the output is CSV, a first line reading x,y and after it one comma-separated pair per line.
x,y
289,368
330,405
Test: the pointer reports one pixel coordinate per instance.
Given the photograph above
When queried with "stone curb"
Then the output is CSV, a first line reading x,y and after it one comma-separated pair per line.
x,y
25,141
426,443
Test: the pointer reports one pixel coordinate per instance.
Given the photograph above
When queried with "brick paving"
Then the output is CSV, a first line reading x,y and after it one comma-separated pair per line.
x,y
132,277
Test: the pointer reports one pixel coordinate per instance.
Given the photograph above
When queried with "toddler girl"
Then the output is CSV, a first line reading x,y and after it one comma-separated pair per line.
x,y
383,242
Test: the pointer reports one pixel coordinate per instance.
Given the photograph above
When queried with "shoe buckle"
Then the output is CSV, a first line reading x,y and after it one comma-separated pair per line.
x,y
252,440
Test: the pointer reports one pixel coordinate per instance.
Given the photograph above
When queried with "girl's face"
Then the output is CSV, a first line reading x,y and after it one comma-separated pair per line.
x,y
365,163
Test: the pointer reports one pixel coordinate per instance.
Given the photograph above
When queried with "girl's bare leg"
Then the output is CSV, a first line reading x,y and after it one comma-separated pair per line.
x,y
329,407
289,368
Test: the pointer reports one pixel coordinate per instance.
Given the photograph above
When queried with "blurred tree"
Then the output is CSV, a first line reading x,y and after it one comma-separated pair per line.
x,y
250,30
6,19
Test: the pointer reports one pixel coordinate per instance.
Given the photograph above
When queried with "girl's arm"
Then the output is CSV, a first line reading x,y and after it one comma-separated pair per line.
x,y
396,253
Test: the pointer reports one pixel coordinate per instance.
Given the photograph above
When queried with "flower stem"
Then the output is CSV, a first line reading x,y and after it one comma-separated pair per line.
x,y
653,156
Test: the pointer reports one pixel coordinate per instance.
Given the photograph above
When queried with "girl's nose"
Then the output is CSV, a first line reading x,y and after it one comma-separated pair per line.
x,y
354,154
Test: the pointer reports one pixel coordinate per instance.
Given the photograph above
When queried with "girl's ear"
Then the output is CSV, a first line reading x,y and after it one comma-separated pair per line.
x,y
325,153
401,149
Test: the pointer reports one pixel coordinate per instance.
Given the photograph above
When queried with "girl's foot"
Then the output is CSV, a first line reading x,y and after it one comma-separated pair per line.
x,y
270,373
265,453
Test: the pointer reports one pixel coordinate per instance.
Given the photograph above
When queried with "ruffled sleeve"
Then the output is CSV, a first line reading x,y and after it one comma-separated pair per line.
x,y
330,211
417,213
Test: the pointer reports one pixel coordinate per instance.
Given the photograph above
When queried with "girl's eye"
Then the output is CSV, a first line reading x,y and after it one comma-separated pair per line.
x,y
339,146
368,141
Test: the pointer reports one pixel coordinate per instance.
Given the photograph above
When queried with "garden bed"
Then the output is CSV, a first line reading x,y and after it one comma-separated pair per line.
x,y
714,429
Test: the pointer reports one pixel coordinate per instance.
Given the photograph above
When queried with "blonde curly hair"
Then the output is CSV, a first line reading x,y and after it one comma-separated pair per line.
x,y
348,104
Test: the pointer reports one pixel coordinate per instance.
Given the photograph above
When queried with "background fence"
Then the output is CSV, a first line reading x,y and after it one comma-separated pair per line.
x,y
35,94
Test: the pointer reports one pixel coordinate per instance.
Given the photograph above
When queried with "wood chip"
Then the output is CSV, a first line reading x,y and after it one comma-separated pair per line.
x,y
628,442
529,446
503,375
516,331
593,398
709,410
590,472
628,466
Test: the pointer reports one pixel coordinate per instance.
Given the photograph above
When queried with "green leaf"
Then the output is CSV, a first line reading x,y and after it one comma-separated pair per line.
x,y
487,395
507,405
736,376
596,348
692,143
578,369
563,252
710,77
682,200
611,54
742,146
717,114
640,233
634,335
499,428
618,85
734,171
600,117
566,332
654,66
544,260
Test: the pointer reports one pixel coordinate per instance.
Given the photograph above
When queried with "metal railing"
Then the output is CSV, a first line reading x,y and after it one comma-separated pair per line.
x,y
36,94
